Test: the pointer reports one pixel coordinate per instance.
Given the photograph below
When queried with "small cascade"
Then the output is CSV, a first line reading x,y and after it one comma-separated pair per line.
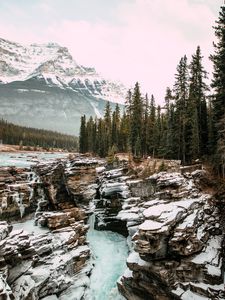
x,y
32,178
18,198
41,202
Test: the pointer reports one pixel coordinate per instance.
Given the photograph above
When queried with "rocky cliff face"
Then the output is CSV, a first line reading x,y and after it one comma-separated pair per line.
x,y
173,229
43,86
176,248
36,263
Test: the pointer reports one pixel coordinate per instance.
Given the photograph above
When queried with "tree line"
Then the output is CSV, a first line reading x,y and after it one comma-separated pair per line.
x,y
190,125
177,130
24,136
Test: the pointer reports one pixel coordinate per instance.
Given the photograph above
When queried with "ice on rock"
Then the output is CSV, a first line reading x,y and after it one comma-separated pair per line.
x,y
52,297
134,258
152,226
166,213
128,273
18,198
100,169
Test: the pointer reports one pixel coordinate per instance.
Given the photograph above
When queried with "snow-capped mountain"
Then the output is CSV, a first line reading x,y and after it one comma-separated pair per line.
x,y
43,83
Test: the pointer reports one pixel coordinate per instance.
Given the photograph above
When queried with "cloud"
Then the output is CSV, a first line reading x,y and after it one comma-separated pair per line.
x,y
45,7
144,44
147,43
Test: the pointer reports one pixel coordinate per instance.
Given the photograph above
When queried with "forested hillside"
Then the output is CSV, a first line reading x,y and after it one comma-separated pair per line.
x,y
189,126
17,135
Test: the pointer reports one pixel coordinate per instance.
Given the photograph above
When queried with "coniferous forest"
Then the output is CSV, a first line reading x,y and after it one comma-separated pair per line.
x,y
24,136
189,125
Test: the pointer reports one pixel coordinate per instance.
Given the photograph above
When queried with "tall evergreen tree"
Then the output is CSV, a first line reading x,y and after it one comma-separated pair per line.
x,y
169,124
102,142
90,134
83,135
151,126
197,111
136,118
115,125
108,126
181,97
124,133
218,84
145,126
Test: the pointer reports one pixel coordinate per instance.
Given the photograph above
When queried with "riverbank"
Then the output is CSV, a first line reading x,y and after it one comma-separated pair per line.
x,y
24,149
169,223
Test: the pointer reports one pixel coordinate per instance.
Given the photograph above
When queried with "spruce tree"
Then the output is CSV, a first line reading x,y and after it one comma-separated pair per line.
x,y
197,111
145,126
83,135
218,83
181,97
116,126
151,127
108,127
136,118
124,133
169,124
91,134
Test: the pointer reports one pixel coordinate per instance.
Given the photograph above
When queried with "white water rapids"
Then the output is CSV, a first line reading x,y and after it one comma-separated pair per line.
x,y
110,252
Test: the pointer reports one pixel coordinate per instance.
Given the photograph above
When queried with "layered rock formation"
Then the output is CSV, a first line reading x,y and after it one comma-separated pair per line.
x,y
37,265
81,178
173,229
16,192
176,249
34,266
110,194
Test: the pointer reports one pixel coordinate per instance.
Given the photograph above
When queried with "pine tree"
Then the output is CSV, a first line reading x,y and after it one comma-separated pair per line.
x,y
197,111
145,126
115,125
151,126
83,135
181,96
218,84
124,133
136,118
169,124
91,134
102,141
211,127
108,127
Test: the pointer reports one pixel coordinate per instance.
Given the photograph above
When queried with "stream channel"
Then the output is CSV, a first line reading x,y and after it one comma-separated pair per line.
x,y
109,250
109,253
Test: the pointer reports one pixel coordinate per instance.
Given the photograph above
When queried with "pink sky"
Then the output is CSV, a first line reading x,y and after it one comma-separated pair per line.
x,y
144,43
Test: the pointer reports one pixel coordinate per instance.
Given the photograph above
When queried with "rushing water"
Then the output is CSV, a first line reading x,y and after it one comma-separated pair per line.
x,y
27,159
109,249
110,252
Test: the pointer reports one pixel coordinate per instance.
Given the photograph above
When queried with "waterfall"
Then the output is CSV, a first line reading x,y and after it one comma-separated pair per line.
x,y
18,198
91,222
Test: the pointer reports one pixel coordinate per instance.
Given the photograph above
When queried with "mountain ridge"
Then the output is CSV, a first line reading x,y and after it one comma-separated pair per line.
x,y
32,74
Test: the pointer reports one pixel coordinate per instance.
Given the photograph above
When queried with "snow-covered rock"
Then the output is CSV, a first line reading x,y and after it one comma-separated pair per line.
x,y
38,265
177,248
46,259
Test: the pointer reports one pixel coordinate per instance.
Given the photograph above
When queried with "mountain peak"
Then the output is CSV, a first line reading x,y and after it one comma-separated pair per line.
x,y
48,45
55,64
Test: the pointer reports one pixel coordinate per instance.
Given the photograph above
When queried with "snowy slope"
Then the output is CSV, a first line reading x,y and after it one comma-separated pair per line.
x,y
57,67
43,86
